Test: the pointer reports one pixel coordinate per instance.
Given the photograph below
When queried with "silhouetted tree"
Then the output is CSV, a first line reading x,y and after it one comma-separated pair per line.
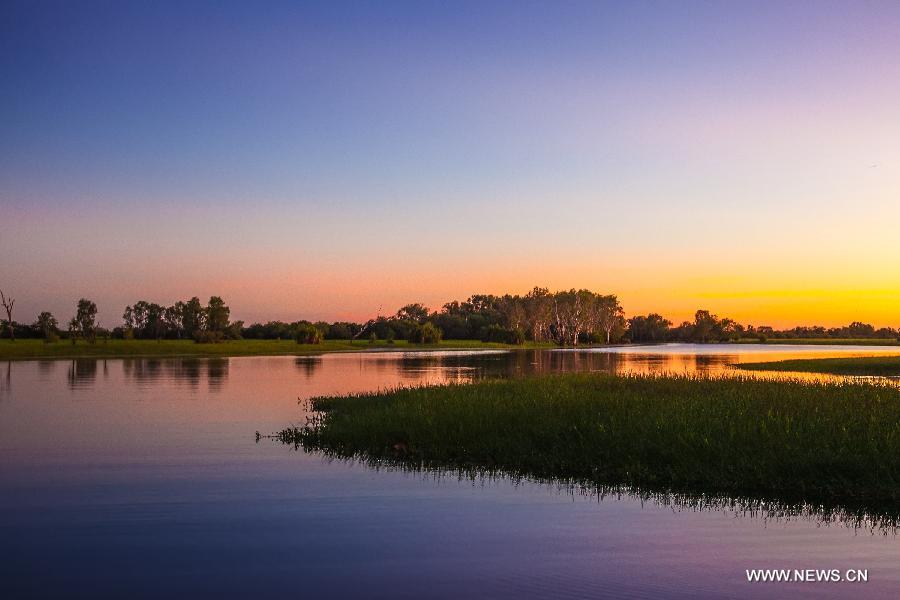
x,y
8,304
426,333
172,319
307,333
413,312
192,317
85,318
47,324
74,330
704,326
217,314
860,330
652,328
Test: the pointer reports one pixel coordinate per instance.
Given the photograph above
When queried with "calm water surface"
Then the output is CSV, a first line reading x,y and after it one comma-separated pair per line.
x,y
142,477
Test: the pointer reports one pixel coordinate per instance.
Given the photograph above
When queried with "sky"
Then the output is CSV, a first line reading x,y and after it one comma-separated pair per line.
x,y
333,160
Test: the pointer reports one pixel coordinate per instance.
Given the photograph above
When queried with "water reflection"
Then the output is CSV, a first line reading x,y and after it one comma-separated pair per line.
x,y
863,516
425,367
415,367
82,372
118,469
308,364
149,370
6,380
216,373
186,371
659,360
47,367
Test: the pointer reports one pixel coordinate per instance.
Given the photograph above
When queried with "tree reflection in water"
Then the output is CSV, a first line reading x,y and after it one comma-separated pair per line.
x,y
308,365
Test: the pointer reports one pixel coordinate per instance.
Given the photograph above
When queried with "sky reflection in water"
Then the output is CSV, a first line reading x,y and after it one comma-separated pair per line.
x,y
142,476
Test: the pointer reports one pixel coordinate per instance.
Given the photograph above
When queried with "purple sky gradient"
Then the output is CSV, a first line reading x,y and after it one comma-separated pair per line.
x,y
322,161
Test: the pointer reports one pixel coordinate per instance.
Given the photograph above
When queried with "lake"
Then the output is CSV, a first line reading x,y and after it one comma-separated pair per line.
x,y
143,477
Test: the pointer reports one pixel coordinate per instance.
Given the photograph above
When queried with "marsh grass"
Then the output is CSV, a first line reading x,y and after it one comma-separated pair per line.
x,y
790,443
879,366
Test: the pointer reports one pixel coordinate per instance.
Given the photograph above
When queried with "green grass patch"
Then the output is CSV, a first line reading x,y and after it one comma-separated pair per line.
x,y
26,349
884,366
823,443
826,341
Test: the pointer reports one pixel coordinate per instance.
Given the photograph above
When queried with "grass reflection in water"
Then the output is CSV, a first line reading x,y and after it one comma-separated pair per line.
x,y
829,450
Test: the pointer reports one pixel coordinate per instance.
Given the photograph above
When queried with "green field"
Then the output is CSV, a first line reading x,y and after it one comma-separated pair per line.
x,y
823,443
25,349
885,366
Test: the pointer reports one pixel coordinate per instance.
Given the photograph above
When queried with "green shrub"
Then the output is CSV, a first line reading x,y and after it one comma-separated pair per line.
x,y
426,333
307,334
233,331
208,337
503,335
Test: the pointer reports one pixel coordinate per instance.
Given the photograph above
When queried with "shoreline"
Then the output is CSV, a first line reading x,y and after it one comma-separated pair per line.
x,y
854,366
35,349
32,349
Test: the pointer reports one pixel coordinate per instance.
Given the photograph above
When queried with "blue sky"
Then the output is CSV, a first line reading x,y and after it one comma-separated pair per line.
x,y
322,160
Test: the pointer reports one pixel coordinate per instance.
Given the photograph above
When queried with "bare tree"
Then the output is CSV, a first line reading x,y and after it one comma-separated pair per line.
x,y
513,310
8,304
610,315
570,312
538,306
369,324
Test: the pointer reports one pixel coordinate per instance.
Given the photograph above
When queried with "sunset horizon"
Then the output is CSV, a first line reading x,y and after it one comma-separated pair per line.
x,y
308,168
875,307
450,299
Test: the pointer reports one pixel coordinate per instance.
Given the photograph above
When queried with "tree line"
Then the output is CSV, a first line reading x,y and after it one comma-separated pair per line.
x,y
144,320
565,318
187,319
707,327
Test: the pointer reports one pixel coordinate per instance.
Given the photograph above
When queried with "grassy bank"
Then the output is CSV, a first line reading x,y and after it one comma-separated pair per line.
x,y
826,342
36,349
885,366
827,443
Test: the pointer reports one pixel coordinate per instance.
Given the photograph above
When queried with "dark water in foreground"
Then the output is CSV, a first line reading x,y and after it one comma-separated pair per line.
x,y
142,478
